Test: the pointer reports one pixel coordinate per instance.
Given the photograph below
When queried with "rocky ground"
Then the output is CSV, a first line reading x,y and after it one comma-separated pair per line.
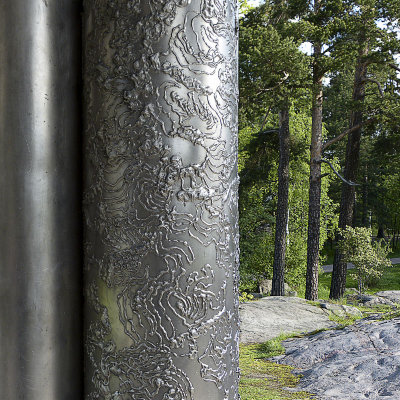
x,y
361,361
268,317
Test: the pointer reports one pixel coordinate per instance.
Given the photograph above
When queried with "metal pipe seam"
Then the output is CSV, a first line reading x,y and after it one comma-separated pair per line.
x,y
40,200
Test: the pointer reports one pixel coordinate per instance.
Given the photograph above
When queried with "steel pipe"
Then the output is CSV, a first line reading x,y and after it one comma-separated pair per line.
x,y
40,228
160,201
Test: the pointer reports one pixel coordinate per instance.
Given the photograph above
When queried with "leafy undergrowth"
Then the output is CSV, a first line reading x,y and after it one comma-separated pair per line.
x,y
265,380
390,281
328,254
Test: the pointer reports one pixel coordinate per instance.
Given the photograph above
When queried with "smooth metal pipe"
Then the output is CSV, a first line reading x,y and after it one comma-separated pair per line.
x,y
161,240
40,256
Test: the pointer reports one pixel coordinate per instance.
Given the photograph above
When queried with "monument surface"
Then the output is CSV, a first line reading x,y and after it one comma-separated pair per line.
x,y
160,201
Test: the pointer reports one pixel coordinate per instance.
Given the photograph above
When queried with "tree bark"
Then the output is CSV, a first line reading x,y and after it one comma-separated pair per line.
x,y
314,210
338,284
365,221
160,200
282,213
355,210
381,232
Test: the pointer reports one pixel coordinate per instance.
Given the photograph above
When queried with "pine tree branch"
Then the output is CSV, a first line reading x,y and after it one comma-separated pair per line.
x,y
347,132
328,49
269,131
350,183
394,66
378,84
281,82
265,118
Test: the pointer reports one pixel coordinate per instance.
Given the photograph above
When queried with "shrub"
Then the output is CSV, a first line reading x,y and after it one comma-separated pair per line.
x,y
243,297
369,258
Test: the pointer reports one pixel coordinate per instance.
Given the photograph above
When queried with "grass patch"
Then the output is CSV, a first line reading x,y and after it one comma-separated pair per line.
x,y
343,320
383,312
273,347
323,289
262,379
391,314
328,253
395,253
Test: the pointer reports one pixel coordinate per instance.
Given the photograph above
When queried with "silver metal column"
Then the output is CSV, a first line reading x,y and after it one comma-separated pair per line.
x,y
160,202
40,260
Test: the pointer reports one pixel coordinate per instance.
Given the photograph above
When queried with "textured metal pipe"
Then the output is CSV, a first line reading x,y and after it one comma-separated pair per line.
x,y
160,202
40,256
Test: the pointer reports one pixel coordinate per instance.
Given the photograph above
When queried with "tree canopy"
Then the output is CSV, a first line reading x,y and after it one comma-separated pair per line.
x,y
347,82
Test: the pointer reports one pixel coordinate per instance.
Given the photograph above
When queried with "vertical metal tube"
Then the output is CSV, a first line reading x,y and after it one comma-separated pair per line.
x,y
160,203
40,256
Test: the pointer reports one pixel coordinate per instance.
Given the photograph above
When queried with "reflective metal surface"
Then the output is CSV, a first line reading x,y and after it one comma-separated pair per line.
x,y
40,293
160,201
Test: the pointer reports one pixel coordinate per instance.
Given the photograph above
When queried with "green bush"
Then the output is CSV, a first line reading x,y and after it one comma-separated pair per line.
x,y
369,258
244,297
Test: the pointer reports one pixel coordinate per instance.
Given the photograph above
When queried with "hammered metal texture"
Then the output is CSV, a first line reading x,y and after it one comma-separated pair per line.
x,y
160,202
40,200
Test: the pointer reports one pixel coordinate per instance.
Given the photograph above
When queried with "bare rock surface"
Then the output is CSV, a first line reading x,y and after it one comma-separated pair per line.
x,y
391,295
359,362
339,310
268,317
265,287
369,300
387,297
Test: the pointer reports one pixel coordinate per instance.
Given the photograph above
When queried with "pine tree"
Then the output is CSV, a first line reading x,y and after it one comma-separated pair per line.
x,y
375,45
273,67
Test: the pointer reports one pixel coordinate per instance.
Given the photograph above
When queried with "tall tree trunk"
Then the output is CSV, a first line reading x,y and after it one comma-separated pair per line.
x,y
314,210
381,232
282,213
355,211
338,284
365,221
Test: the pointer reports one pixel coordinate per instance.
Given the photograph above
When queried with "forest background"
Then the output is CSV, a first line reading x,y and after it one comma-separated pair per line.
x,y
319,141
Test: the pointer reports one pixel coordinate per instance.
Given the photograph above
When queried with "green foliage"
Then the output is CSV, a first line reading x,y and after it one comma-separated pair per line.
x,y
272,69
369,258
273,347
272,72
381,162
390,280
244,297
258,166
244,7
